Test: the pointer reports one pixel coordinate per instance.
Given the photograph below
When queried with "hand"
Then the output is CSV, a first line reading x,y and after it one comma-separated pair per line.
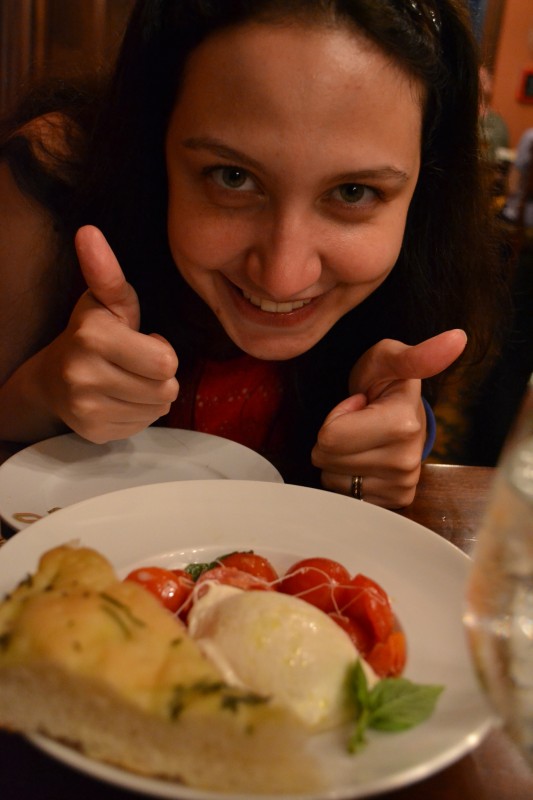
x,y
379,431
101,377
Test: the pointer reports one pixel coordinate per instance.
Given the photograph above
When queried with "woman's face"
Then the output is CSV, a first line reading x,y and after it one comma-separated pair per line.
x,y
292,154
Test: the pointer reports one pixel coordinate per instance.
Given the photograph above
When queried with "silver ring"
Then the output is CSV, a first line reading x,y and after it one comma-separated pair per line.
x,y
356,489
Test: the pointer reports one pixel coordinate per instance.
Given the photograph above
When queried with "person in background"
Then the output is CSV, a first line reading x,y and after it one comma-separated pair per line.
x,y
270,224
494,130
518,208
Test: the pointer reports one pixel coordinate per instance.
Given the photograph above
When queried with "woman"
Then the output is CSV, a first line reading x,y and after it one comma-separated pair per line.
x,y
291,199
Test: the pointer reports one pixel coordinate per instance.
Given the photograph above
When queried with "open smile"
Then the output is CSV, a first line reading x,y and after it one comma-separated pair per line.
x,y
275,308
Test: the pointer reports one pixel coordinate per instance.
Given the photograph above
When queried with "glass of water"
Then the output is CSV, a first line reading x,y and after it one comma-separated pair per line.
x,y
499,599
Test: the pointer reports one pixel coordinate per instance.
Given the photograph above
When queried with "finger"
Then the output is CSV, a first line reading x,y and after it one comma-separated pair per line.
x,y
400,419
114,420
390,462
429,357
104,277
104,341
390,361
128,387
376,490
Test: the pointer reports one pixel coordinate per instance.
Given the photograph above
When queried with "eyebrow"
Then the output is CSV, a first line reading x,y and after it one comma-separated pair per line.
x,y
218,148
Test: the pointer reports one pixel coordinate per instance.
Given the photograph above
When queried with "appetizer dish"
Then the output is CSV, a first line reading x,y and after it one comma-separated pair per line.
x,y
227,664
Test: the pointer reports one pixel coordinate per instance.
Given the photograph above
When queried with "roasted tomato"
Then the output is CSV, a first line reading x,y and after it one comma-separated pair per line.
x,y
364,601
231,576
359,632
171,587
256,565
317,580
388,658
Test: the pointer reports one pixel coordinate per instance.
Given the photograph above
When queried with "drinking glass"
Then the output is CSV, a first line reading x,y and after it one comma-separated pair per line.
x,y
499,599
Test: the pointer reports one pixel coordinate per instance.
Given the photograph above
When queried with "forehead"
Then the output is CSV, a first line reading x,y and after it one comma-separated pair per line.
x,y
296,78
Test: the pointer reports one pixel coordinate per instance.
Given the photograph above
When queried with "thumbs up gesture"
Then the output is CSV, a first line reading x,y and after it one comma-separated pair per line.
x,y
379,431
104,379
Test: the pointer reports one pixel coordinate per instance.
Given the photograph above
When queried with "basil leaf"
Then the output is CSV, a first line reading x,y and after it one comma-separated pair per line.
x,y
195,570
393,704
397,704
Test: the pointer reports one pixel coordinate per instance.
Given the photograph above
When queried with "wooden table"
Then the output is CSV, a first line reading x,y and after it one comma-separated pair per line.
x,y
450,500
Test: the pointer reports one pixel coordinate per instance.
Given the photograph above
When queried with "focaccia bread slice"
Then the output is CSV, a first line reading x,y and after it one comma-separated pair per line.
x,y
99,664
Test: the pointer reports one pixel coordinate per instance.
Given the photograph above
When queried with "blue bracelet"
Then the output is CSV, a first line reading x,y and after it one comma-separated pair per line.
x,y
431,429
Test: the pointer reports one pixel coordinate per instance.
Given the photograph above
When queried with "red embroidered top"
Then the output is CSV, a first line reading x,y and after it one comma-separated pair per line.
x,y
240,399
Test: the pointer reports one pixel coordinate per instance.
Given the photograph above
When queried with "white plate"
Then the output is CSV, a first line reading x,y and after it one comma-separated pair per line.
x,y
66,469
174,524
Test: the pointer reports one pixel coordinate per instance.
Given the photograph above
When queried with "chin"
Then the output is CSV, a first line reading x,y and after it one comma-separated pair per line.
x,y
272,350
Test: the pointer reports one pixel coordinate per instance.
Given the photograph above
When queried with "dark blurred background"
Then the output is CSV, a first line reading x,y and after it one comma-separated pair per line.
x,y
41,38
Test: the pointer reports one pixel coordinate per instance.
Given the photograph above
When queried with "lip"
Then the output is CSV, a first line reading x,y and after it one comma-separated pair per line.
x,y
282,319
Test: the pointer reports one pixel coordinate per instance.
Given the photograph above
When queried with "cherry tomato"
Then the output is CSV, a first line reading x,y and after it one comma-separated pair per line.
x,y
364,600
171,587
388,658
317,580
360,634
187,584
251,562
231,576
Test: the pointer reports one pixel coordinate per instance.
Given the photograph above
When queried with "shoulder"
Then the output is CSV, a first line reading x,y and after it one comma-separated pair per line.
x,y
18,210
26,223
28,239
29,273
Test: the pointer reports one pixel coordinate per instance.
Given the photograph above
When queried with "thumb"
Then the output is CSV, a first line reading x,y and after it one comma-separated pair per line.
x,y
390,360
104,277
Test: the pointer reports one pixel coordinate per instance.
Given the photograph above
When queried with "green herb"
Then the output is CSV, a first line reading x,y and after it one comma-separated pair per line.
x,y
232,700
115,616
183,695
126,610
197,569
393,704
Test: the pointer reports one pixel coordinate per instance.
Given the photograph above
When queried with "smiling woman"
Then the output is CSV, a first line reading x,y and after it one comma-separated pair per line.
x,y
257,229
280,205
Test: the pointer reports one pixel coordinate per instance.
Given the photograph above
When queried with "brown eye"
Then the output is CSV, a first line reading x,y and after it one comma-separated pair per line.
x,y
356,194
231,177
351,192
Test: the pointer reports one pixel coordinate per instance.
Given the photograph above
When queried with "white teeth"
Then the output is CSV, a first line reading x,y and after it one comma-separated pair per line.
x,y
276,308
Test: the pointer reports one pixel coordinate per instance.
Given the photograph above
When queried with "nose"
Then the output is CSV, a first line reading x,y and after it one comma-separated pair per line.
x,y
284,261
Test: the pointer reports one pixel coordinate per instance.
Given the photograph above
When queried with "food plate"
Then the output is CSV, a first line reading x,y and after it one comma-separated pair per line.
x,y
172,524
67,469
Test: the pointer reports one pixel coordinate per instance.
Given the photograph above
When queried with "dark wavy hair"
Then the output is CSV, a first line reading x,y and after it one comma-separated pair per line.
x,y
447,274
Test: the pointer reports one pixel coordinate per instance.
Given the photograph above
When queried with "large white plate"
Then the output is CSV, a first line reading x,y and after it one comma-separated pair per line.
x,y
67,469
176,523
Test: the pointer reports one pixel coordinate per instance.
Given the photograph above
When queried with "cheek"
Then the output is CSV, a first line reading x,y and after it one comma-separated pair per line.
x,y
201,241
368,258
